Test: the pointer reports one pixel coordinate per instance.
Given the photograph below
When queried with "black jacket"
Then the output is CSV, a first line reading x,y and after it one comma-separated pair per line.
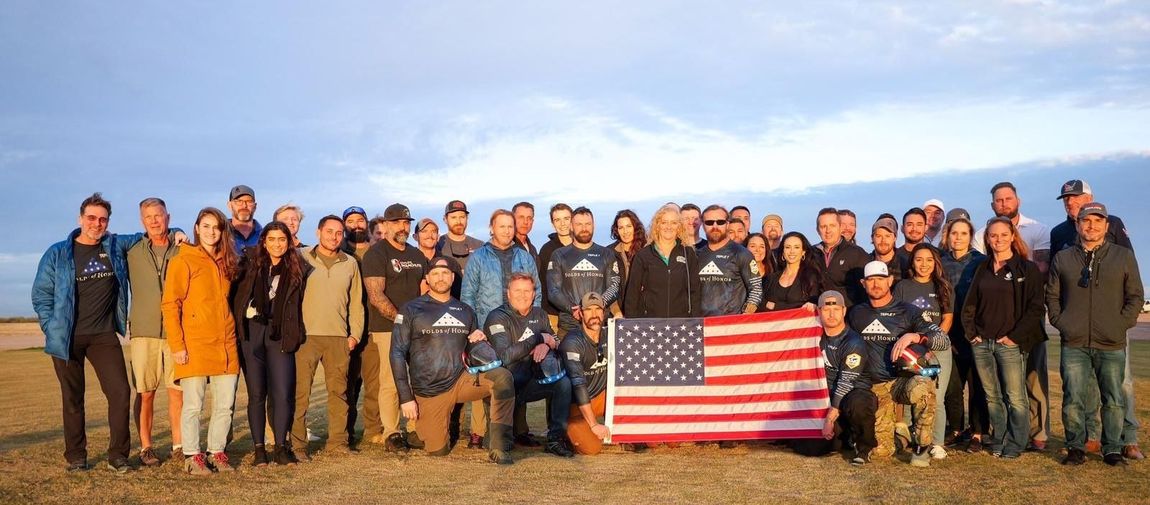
x,y
289,309
1029,314
1098,315
658,289
844,272
542,260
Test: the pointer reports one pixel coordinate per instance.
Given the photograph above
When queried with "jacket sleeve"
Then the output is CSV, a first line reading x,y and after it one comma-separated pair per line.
x,y
469,292
355,312
510,351
125,242
1133,290
970,306
852,367
44,288
400,343
531,268
555,293
573,362
634,286
1029,326
1121,237
176,285
1053,287
614,279
752,279
694,283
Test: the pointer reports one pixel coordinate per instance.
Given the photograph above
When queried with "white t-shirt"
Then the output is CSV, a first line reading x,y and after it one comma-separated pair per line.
x,y
1034,234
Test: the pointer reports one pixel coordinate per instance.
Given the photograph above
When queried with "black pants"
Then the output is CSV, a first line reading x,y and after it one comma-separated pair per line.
x,y
268,373
965,376
107,358
856,423
527,389
354,386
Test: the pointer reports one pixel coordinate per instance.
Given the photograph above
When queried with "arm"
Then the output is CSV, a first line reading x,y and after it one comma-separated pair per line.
x,y
176,286
573,362
1121,236
375,296
753,281
400,344
1053,289
1033,312
1132,287
530,267
44,288
355,312
634,287
969,307
694,283
614,279
469,288
555,293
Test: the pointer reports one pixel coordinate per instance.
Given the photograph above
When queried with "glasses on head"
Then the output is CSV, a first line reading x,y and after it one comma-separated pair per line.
x,y
715,222
1087,271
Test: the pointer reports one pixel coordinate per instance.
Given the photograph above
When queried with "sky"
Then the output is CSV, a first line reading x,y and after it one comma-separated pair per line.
x,y
608,104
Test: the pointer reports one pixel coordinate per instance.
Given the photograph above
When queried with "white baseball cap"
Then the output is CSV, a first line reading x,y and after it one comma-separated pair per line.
x,y
875,268
935,202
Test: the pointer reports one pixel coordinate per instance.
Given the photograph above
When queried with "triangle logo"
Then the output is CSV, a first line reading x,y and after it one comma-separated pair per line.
x,y
711,269
527,333
876,328
450,321
584,266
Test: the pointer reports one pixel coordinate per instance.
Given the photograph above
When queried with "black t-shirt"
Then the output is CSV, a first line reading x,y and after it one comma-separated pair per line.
x,y
995,314
95,290
402,272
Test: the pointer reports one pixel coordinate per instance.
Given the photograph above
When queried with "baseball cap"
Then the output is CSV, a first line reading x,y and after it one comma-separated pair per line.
x,y
935,202
424,223
885,223
875,268
1092,208
439,262
957,213
1075,187
592,298
832,298
241,190
397,212
773,217
354,210
455,206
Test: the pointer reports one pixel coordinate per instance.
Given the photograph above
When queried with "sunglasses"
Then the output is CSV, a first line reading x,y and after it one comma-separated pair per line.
x,y
1084,282
715,222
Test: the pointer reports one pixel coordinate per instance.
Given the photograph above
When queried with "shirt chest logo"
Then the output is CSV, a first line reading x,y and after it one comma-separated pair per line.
x,y
711,269
448,321
584,266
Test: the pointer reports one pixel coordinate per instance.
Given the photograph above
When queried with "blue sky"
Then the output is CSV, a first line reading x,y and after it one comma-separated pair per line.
x,y
333,103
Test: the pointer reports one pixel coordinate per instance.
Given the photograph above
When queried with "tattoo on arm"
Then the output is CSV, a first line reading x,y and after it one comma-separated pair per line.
x,y
375,296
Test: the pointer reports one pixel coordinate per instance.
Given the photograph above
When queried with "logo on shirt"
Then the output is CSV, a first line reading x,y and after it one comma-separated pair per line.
x,y
681,259
573,356
754,267
853,360
449,321
584,266
876,328
527,333
94,265
711,269
399,266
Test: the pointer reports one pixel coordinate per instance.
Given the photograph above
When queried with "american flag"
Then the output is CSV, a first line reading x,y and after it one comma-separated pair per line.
x,y
740,377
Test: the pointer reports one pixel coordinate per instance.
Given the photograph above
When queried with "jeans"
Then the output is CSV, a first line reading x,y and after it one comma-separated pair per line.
x,y
223,405
1002,369
527,389
1130,424
1082,368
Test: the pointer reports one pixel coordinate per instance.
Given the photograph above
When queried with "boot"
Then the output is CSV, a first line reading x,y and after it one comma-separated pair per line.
x,y
500,435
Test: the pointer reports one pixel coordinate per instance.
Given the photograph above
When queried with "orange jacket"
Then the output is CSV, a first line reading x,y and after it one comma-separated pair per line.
x,y
197,318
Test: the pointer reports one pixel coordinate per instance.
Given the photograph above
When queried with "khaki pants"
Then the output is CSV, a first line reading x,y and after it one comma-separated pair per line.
x,y
1038,391
579,432
334,354
918,392
389,412
435,412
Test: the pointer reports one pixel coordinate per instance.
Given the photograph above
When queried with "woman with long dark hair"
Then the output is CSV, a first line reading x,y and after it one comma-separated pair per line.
x,y
1003,315
627,230
960,261
800,282
268,309
202,336
928,288
761,251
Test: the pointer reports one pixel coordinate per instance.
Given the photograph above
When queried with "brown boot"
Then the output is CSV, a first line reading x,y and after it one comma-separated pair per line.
x,y
1132,452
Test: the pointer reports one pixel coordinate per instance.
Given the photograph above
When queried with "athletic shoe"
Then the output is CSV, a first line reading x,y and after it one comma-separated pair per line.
x,y
526,440
1074,457
79,465
197,465
260,458
282,456
558,448
396,442
499,457
1036,446
177,454
920,458
937,452
1094,446
1132,452
975,445
148,457
311,437
861,458
219,461
1114,459
476,442
119,465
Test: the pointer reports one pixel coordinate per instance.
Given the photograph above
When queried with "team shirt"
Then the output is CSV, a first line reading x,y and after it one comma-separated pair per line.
x,y
427,346
95,290
924,296
402,272
573,272
514,336
586,364
730,278
845,360
881,327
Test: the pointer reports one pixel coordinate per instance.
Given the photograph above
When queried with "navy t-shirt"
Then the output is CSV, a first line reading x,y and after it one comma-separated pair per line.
x,y
95,290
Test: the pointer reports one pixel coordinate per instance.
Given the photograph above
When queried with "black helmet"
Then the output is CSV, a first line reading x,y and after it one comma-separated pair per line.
x,y
917,359
550,369
481,357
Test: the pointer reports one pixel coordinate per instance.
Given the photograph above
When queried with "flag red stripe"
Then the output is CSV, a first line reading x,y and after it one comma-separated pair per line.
x,y
755,338
758,317
760,378
729,435
763,357
785,415
814,394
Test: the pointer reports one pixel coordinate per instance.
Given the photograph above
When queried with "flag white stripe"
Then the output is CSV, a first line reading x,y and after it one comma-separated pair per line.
x,y
742,389
765,327
753,348
757,368
675,428
737,408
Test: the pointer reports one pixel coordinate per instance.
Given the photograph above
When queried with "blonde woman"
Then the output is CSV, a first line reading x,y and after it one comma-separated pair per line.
x,y
663,280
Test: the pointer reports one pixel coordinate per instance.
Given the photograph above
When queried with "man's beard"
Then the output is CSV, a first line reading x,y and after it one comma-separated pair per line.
x,y
1013,214
583,237
357,236
400,237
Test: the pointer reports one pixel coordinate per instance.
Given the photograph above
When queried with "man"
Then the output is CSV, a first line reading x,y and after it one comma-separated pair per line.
x,y
848,223
888,327
377,228
581,268
151,359
935,213
742,213
81,298
913,234
585,355
883,235
524,221
356,237
561,222
333,316
427,238
772,228
736,230
842,262
485,283
1005,203
1075,194
245,228
456,243
732,283
1094,295
432,332
291,215
692,219
853,405
393,274
522,337
356,242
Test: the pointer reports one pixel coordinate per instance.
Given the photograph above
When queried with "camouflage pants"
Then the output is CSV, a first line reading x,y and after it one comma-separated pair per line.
x,y
918,392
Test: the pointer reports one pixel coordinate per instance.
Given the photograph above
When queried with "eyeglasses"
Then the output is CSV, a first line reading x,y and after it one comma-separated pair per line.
x,y
247,202
1084,282
715,222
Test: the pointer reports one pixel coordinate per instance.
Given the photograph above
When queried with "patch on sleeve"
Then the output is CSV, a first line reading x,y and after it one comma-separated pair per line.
x,y
754,267
399,319
853,360
573,356
550,265
496,328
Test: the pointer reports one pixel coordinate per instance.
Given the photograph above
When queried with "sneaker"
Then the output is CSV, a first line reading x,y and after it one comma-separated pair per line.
x,y
920,458
397,443
119,465
1114,459
558,448
1036,446
282,456
476,442
294,455
975,445
526,440
1074,457
177,455
148,457
500,457
197,465
311,437
1094,446
260,458
937,452
861,458
79,465
1132,452
219,461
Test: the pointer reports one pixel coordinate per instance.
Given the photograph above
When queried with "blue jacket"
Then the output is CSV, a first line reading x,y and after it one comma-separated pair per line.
x,y
485,282
54,290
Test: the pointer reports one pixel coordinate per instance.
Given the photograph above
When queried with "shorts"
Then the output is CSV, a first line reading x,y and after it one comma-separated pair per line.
x,y
151,364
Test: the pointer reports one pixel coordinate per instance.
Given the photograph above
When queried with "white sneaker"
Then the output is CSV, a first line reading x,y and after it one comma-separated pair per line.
x,y
937,452
310,437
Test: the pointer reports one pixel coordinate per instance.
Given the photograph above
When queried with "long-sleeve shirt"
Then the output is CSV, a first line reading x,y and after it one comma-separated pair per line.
x,y
427,345
845,360
586,364
730,278
514,336
573,272
881,327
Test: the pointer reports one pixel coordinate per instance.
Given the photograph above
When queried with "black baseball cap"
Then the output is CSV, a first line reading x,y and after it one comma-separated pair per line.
x,y
440,262
241,190
397,212
1093,208
455,206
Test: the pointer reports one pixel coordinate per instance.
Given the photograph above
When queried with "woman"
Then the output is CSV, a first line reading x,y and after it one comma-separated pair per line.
x,y
928,288
959,261
268,310
627,230
201,333
757,244
800,282
1003,316
662,281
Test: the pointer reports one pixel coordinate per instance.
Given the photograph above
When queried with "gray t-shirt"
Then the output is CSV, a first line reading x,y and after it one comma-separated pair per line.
x,y
924,296
460,250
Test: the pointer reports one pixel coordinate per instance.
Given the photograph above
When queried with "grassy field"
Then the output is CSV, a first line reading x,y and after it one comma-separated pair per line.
x,y
32,466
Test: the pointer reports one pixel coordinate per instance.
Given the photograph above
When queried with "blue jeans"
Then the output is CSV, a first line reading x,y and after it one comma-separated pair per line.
x,y
1002,370
1130,425
558,394
1082,369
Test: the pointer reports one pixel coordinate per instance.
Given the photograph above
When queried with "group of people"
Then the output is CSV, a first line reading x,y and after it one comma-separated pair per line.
x,y
950,322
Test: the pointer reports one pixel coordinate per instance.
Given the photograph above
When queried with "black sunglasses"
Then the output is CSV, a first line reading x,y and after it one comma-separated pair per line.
x,y
1087,270
715,222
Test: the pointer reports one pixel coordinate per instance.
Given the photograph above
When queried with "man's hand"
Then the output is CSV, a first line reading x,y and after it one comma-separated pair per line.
x,y
180,357
829,423
476,336
976,340
351,343
410,410
550,340
539,352
601,431
810,307
1006,341
180,238
903,343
